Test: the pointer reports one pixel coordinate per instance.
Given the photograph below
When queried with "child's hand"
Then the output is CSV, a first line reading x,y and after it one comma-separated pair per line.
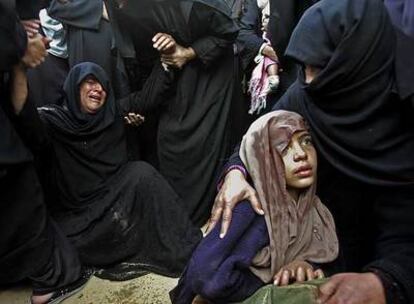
x,y
297,271
269,52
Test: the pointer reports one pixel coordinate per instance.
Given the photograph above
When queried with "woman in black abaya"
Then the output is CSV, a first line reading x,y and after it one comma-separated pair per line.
x,y
365,144
112,210
194,130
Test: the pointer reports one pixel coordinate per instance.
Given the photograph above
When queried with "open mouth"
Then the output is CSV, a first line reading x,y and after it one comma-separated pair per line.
x,y
95,97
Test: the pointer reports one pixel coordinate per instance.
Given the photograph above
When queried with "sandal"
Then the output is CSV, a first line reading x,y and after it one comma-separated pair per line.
x,y
69,290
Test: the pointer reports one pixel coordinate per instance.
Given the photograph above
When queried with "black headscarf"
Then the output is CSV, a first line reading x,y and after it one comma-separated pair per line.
x,y
89,148
69,118
356,121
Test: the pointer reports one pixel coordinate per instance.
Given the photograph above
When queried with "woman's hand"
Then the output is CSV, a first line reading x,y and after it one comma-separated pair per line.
x,y
36,51
179,57
296,271
134,119
164,43
235,188
31,27
352,288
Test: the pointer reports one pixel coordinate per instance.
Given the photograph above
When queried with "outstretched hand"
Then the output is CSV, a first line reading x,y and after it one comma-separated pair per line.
x,y
235,189
352,288
296,271
134,119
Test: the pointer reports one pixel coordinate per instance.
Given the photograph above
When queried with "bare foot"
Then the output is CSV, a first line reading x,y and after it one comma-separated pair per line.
x,y
41,299
199,300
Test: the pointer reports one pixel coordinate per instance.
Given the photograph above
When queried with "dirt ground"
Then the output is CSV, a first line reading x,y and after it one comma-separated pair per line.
x,y
149,289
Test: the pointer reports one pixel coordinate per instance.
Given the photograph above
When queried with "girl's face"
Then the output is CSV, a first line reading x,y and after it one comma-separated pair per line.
x,y
300,161
92,95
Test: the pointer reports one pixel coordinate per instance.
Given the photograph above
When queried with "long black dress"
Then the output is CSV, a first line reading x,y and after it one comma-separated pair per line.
x,y
31,246
193,136
112,210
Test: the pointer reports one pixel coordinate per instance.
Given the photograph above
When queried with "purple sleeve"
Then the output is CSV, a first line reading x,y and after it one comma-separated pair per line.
x,y
219,268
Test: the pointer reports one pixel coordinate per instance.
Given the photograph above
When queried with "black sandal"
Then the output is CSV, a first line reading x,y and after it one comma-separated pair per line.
x,y
69,290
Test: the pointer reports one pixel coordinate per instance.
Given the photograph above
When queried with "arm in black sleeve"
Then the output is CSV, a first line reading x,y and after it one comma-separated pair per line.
x,y
220,36
32,130
394,213
77,13
249,39
154,92
13,39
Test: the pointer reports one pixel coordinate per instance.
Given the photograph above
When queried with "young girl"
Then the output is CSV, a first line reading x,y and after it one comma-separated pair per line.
x,y
296,229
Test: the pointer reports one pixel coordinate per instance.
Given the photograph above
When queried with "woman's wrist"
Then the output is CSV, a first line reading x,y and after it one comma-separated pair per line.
x,y
189,53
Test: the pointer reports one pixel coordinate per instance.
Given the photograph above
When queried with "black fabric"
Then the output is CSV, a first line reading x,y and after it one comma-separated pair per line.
x,y
284,15
62,267
30,246
88,32
13,43
113,211
356,123
402,16
28,241
193,128
46,81
13,38
250,35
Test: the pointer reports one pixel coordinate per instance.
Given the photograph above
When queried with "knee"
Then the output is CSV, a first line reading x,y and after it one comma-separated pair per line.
x,y
207,280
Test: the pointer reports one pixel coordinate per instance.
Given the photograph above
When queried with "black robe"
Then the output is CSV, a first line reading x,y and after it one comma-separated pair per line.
x,y
31,246
112,210
193,136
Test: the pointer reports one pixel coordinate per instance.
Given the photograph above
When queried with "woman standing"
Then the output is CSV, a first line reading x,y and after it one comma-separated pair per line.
x,y
194,126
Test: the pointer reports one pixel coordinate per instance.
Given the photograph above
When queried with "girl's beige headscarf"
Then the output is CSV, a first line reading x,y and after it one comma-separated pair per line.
x,y
297,231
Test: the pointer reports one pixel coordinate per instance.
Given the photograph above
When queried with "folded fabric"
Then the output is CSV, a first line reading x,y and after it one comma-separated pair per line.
x,y
303,293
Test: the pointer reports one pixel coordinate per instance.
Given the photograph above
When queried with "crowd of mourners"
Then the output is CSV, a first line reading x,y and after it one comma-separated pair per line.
x,y
284,128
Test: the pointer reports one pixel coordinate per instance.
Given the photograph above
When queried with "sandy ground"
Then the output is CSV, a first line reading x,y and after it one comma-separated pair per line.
x,y
149,289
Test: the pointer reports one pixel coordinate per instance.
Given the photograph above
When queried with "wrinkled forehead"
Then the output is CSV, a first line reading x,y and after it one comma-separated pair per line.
x,y
282,129
84,71
90,77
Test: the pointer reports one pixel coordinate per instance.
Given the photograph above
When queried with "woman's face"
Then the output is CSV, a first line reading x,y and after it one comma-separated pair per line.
x,y
300,161
92,95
